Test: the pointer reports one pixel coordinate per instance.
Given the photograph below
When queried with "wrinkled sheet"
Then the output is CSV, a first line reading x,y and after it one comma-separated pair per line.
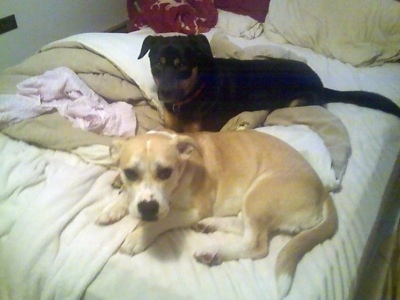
x,y
50,248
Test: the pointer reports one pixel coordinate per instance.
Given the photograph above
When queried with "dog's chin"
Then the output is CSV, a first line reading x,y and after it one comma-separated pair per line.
x,y
155,218
171,98
149,218
146,218
168,100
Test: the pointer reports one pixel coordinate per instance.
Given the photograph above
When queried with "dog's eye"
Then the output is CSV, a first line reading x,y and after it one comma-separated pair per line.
x,y
161,61
164,173
131,174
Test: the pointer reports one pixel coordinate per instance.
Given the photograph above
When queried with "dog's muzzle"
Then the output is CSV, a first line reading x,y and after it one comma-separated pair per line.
x,y
148,210
170,96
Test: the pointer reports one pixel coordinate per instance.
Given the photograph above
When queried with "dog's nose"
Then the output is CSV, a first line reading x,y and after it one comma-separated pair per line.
x,y
148,210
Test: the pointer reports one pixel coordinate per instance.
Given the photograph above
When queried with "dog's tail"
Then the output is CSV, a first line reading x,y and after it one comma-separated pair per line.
x,y
361,98
299,245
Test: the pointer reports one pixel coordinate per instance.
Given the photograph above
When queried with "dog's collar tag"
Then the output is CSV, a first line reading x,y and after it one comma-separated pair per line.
x,y
176,108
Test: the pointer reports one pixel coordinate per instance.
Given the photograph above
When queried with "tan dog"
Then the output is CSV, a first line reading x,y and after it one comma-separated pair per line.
x,y
205,180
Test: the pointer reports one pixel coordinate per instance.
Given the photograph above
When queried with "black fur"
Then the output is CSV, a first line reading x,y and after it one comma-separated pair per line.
x,y
226,87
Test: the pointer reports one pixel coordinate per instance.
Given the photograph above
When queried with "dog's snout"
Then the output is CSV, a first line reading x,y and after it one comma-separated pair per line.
x,y
165,93
149,210
169,95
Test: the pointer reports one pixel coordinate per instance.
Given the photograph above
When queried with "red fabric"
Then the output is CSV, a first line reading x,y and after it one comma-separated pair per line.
x,y
185,16
257,9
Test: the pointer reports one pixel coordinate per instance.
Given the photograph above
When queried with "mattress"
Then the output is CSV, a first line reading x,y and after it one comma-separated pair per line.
x,y
51,248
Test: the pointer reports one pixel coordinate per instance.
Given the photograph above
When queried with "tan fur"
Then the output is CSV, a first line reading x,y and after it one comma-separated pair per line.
x,y
171,120
174,123
215,177
189,84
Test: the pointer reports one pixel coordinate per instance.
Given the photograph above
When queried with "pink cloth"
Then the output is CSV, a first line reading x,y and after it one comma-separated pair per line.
x,y
62,90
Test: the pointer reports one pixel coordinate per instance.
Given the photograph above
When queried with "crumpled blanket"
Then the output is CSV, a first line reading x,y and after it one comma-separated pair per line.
x,y
222,47
330,128
184,16
62,90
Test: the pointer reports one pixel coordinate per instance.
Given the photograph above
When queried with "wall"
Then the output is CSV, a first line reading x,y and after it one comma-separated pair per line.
x,y
43,21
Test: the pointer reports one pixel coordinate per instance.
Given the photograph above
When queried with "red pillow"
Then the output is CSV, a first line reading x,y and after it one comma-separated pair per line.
x,y
257,9
185,16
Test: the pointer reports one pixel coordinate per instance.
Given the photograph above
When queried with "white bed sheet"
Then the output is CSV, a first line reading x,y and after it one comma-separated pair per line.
x,y
70,193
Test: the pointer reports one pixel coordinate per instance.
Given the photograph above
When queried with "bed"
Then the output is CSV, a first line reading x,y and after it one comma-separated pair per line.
x,y
61,108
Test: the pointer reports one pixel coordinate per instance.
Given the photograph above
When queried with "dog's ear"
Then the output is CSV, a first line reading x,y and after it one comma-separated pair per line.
x,y
148,43
115,149
201,44
185,145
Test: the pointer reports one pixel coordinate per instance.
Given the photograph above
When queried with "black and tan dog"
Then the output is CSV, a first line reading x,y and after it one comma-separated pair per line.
x,y
200,92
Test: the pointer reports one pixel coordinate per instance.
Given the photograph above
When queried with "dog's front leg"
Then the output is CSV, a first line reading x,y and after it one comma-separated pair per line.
x,y
114,212
141,238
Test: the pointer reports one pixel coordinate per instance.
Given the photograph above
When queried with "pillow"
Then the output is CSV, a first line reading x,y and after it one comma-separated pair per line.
x,y
359,32
188,16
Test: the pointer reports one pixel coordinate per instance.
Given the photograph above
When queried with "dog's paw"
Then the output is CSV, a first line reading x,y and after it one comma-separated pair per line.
x,y
111,216
209,258
246,120
244,126
204,227
134,243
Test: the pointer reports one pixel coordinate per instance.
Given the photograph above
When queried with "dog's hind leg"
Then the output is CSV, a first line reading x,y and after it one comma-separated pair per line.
x,y
225,224
252,244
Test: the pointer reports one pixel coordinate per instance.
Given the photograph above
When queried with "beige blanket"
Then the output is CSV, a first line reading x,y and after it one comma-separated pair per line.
x,y
53,131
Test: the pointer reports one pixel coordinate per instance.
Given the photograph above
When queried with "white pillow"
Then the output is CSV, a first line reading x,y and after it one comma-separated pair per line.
x,y
359,32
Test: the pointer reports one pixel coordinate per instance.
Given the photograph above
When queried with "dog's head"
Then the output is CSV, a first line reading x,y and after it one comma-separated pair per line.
x,y
151,166
176,63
